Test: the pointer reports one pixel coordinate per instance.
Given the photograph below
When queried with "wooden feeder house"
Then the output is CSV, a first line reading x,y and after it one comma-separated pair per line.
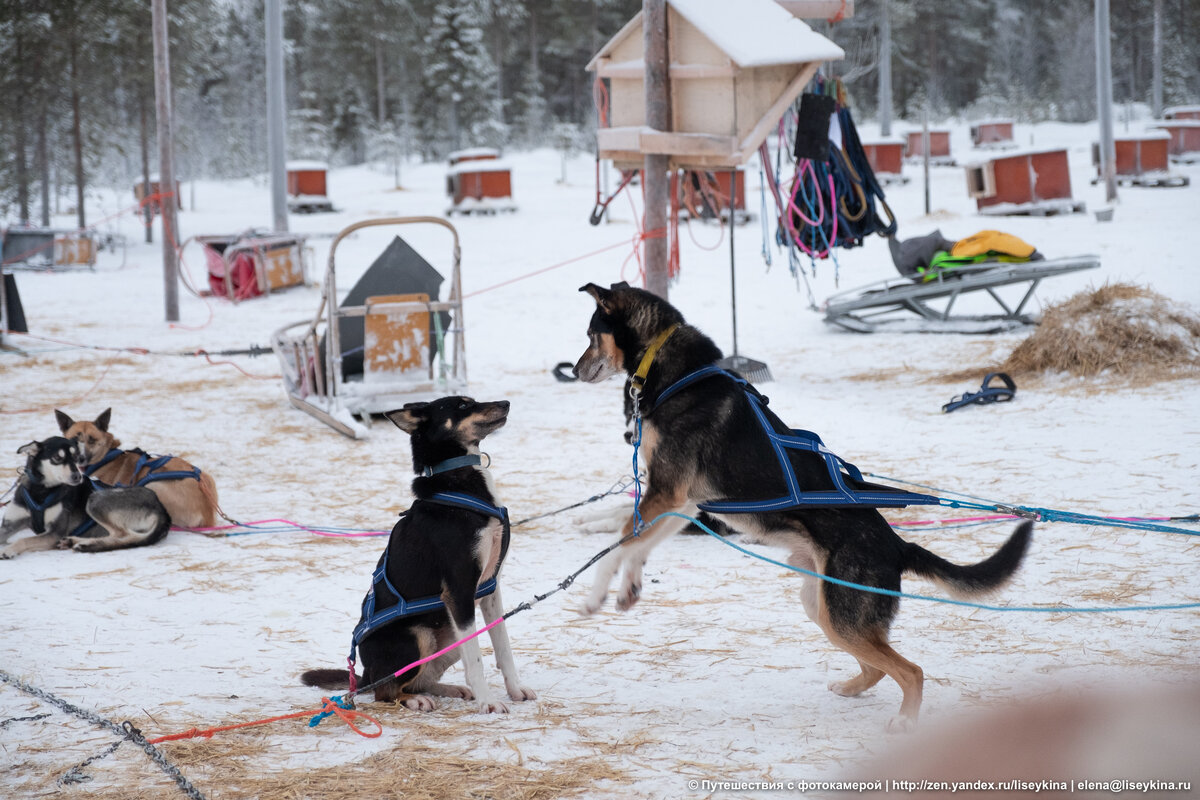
x,y
939,147
1034,182
886,157
139,192
727,88
993,133
1184,147
1141,160
306,187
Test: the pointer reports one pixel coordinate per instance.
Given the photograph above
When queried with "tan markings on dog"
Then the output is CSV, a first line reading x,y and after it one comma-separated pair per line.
x,y
654,503
491,541
190,503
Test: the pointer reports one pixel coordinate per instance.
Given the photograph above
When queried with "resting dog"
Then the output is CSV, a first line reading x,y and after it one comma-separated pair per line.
x,y
444,554
189,495
61,507
706,443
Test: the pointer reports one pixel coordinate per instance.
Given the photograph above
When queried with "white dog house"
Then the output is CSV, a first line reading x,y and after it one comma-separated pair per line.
x,y
734,68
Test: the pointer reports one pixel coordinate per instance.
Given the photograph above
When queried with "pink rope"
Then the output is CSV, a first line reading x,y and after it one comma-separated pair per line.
x,y
296,525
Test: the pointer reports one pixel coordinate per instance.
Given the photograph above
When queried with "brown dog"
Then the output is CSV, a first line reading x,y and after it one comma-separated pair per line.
x,y
191,501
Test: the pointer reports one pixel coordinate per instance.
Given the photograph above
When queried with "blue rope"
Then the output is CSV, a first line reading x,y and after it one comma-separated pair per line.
x,y
637,481
337,700
949,601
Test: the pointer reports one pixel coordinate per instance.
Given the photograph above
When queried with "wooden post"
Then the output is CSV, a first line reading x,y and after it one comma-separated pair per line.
x,y
168,204
1157,90
655,166
276,115
1104,94
885,69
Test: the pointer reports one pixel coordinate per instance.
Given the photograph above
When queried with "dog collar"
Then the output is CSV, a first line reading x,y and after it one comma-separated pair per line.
x,y
639,377
473,460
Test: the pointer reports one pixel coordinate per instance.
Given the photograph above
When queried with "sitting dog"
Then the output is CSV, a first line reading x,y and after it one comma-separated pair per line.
x,y
60,505
189,495
706,442
443,555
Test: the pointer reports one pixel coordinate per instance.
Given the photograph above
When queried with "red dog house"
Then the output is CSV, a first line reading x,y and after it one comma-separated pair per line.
x,y
939,147
139,191
306,187
993,133
473,154
479,185
1141,160
1182,112
1185,139
886,157
1035,182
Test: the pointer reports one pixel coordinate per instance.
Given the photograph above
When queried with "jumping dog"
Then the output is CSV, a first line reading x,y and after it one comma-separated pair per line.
x,y
707,442
189,495
58,503
444,555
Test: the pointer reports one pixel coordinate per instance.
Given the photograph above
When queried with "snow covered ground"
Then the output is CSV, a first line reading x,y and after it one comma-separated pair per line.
x,y
716,674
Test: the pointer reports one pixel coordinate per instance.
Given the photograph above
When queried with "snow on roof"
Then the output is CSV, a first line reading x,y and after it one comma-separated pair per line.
x,y
1142,137
1178,123
301,166
753,33
1181,110
473,152
487,165
757,33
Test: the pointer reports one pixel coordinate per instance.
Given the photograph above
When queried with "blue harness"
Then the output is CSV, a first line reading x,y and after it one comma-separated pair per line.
x,y
373,617
154,465
37,511
840,496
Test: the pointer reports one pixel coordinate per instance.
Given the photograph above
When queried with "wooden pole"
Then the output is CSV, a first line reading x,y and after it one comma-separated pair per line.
x,y
655,166
276,115
168,205
885,69
1104,95
1158,60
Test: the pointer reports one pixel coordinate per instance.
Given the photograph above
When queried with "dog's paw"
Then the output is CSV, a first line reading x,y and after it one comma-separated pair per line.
x,y
591,606
901,724
65,543
5,554
450,690
850,688
492,707
82,545
520,693
419,702
629,595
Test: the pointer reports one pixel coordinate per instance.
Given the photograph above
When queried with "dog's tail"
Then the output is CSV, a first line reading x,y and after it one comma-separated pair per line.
x,y
991,573
328,678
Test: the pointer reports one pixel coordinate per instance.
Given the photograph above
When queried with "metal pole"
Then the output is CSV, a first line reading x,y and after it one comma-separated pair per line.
x,y
1158,60
1104,99
925,151
732,258
276,114
885,69
655,166
168,201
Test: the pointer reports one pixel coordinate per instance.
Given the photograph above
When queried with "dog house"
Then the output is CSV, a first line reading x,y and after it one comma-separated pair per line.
x,y
253,264
473,154
479,185
47,248
306,187
139,191
993,133
886,157
1034,182
939,147
734,68
1182,112
1184,146
1141,160
389,342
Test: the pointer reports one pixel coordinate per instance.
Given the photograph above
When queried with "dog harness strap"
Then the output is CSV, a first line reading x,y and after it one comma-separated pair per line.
x,y
109,456
473,460
840,496
37,511
639,377
372,618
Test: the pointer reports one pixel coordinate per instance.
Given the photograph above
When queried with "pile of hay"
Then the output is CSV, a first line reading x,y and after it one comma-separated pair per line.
x,y
1117,330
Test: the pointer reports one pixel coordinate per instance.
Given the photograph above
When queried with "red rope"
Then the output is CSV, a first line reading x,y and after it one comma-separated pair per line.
x,y
328,706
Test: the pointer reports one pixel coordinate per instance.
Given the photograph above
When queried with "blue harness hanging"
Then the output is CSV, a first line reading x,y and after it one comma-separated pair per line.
x,y
843,494
374,617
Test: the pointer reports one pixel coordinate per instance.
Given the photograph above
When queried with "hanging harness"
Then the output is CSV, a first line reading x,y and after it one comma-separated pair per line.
x,y
374,616
843,494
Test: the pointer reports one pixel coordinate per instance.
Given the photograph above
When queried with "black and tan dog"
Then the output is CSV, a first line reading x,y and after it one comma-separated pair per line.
x,y
189,495
705,444
444,555
61,507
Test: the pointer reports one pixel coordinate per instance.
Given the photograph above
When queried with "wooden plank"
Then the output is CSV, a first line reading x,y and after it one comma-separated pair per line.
x,y
636,70
770,117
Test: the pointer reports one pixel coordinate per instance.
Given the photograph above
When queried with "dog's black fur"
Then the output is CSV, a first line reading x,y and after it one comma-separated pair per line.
x,y
705,444
439,550
53,478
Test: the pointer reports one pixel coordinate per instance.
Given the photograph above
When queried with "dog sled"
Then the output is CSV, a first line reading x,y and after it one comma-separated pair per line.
x,y
390,342
254,264
936,273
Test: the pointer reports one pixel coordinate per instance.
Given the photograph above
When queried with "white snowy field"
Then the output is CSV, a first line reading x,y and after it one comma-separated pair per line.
x,y
716,674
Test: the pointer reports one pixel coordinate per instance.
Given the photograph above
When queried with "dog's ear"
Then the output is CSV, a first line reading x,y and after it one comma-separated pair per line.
x,y
619,285
31,449
101,421
409,418
602,296
64,421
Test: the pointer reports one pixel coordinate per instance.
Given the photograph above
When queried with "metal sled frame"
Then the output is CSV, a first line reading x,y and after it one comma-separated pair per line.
x,y
312,375
890,304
